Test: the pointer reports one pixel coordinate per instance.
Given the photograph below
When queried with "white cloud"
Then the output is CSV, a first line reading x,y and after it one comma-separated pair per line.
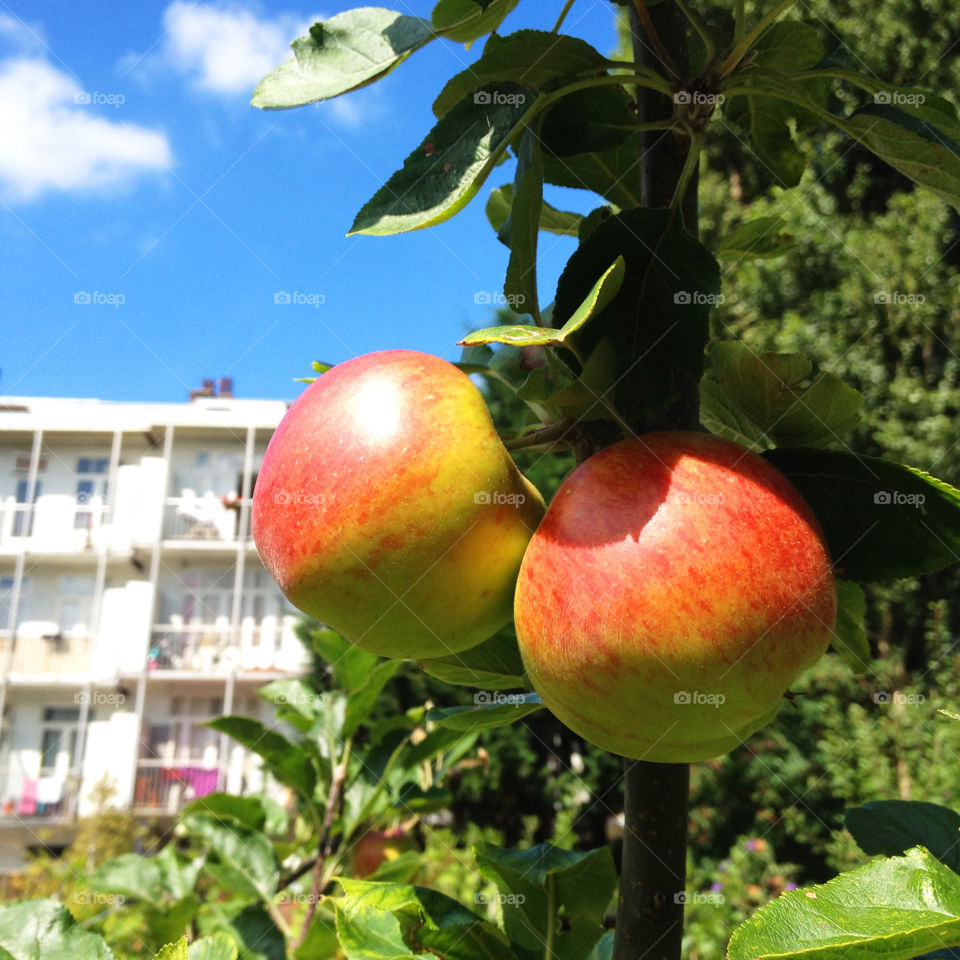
x,y
54,142
226,51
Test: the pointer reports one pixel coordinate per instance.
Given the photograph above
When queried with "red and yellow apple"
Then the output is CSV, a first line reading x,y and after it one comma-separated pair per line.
x,y
676,587
388,508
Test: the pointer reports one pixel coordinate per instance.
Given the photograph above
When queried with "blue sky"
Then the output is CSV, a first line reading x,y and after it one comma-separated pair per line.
x,y
134,174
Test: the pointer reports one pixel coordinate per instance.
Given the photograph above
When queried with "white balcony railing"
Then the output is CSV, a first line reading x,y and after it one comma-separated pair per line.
x,y
210,648
54,523
203,519
54,654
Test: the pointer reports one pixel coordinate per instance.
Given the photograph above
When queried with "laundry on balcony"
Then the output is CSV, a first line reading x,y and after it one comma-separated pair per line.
x,y
200,780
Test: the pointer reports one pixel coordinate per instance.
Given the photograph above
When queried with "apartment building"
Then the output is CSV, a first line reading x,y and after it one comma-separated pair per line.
x,y
133,605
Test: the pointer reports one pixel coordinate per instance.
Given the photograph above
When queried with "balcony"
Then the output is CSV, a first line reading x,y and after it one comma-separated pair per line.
x,y
203,521
56,523
166,788
47,797
50,655
207,648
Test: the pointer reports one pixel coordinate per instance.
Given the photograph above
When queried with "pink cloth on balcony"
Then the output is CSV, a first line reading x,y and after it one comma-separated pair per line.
x,y
201,780
28,797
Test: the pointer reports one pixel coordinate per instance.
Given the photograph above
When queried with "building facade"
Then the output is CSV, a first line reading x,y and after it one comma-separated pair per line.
x,y
133,606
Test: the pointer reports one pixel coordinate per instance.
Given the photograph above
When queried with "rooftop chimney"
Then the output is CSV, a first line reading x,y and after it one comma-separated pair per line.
x,y
205,391
225,387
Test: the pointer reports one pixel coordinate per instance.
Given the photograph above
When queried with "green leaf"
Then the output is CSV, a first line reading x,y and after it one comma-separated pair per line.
x,y
788,46
589,121
887,910
465,20
520,286
247,852
392,920
44,929
920,139
772,142
722,416
531,58
179,877
489,710
882,520
890,827
540,884
584,397
494,664
561,222
914,142
613,174
361,702
220,946
130,875
757,239
287,762
514,334
346,52
349,664
248,925
445,172
766,387
174,951
321,940
521,334
246,811
658,317
849,635
414,799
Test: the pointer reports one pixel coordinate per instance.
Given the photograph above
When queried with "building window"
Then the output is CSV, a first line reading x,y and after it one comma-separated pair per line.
x,y
75,602
58,738
92,482
6,600
23,518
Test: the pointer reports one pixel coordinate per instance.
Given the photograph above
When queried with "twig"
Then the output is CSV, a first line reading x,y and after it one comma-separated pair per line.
x,y
323,846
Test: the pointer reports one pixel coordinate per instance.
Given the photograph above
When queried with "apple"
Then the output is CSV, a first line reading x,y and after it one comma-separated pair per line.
x,y
388,508
676,587
377,847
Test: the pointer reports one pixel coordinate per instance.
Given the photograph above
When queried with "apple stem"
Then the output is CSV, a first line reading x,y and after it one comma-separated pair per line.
x,y
654,863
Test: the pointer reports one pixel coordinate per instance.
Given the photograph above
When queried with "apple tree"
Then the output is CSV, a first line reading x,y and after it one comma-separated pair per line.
x,y
625,338
712,540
